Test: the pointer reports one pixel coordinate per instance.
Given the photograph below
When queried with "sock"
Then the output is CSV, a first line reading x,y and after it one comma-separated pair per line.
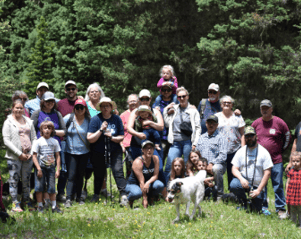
x,y
47,201
40,204
53,204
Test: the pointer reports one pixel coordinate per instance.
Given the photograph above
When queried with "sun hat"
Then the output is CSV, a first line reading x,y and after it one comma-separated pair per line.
x,y
144,108
106,100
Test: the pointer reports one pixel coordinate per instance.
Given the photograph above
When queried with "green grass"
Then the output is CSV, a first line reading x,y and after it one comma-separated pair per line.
x,y
96,220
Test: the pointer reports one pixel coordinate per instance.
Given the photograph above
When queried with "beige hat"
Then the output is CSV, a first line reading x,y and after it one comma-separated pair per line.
x,y
106,100
144,108
214,87
144,92
42,84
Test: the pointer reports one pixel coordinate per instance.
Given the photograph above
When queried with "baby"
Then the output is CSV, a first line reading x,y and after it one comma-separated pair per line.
x,y
209,186
144,113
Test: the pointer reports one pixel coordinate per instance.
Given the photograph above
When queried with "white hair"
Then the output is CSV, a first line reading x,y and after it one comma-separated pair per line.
x,y
227,97
170,68
102,94
129,98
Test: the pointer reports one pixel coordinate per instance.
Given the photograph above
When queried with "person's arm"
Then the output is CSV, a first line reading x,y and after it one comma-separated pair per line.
x,y
159,126
168,117
116,139
58,164
264,181
93,137
223,149
36,163
208,181
6,133
242,133
34,117
294,148
137,168
160,82
286,186
60,132
197,129
236,173
130,126
175,83
237,112
287,136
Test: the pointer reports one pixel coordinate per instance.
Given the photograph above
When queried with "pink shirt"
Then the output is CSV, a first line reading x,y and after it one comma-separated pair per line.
x,y
127,137
24,132
274,135
173,80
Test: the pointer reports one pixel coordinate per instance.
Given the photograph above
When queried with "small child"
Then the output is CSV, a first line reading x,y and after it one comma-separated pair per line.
x,y
209,186
144,113
193,159
46,150
177,169
167,78
293,189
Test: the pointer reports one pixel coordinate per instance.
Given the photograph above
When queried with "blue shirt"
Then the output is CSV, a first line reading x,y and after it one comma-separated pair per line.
x,y
213,148
74,143
34,104
210,109
114,125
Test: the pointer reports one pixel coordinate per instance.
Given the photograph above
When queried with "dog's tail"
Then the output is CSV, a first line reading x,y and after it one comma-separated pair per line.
x,y
202,174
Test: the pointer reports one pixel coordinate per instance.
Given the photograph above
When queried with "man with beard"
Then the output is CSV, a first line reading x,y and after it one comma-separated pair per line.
x,y
252,165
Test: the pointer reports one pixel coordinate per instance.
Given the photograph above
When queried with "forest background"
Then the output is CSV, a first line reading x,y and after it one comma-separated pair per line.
x,y
250,48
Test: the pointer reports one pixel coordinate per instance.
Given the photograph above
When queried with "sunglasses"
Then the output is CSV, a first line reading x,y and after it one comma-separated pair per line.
x,y
79,107
182,97
70,89
144,99
212,92
24,99
248,136
166,90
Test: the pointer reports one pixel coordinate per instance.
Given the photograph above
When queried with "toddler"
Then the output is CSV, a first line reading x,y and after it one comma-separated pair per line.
x,y
46,151
167,79
209,185
144,113
293,189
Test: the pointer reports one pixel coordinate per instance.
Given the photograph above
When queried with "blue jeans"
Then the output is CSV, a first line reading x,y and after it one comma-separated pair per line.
x,y
134,192
240,193
277,181
177,149
136,152
152,133
48,179
229,168
159,99
61,184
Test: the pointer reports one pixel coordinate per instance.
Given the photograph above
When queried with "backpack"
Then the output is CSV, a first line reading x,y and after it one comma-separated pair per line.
x,y
203,106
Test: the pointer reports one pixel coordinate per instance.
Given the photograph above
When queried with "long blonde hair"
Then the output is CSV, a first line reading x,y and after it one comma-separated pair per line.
x,y
173,173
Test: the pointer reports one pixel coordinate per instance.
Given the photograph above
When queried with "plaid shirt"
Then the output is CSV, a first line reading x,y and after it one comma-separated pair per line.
x,y
213,148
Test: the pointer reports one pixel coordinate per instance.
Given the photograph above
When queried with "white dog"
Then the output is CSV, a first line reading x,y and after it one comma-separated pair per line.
x,y
184,190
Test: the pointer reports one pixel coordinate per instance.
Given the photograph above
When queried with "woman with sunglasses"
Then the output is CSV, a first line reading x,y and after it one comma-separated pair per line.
x,y
184,128
77,149
232,127
138,136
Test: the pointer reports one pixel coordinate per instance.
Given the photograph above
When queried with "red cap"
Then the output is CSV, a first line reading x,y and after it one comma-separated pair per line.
x,y
80,102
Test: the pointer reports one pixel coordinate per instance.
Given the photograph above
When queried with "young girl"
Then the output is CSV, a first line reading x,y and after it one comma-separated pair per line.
x,y
192,163
167,78
177,169
46,151
144,113
293,189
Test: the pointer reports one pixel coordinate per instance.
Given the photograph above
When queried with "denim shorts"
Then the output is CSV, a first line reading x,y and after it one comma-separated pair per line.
x,y
48,179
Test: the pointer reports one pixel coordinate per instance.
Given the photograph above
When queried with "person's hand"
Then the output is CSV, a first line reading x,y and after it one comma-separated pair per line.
x,y
146,122
104,125
209,168
237,112
193,148
288,167
157,108
108,134
170,105
57,174
254,193
244,183
23,157
208,182
171,111
146,188
116,112
123,149
141,136
28,156
40,174
80,97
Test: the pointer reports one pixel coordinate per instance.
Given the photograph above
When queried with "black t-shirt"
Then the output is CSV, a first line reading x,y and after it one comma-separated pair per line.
x,y
298,136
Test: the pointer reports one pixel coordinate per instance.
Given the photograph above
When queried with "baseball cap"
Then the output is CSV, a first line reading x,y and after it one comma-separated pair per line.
x,y
214,87
80,102
70,82
144,92
212,117
42,84
266,102
249,130
146,142
48,96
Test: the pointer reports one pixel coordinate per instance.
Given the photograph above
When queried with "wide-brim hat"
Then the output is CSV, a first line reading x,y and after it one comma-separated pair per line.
x,y
144,108
106,100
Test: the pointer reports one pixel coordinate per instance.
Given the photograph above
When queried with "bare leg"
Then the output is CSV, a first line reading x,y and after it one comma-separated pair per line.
x,y
39,196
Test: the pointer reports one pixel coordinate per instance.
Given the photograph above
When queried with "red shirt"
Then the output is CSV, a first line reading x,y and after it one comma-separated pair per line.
x,y
65,106
274,135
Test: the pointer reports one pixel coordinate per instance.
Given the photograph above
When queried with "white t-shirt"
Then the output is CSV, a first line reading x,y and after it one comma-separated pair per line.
x,y
46,149
264,162
229,127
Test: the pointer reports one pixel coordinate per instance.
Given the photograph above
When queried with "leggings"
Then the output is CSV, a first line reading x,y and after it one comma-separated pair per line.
x,y
19,169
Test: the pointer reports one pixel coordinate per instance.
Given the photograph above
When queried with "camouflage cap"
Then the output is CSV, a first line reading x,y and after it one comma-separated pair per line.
x,y
250,130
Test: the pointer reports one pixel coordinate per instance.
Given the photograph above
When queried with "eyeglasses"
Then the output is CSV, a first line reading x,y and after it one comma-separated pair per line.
x,y
182,97
144,99
227,102
166,90
94,91
70,89
132,102
212,92
79,107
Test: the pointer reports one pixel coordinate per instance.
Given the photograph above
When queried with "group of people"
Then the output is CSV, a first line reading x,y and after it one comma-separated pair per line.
x,y
70,138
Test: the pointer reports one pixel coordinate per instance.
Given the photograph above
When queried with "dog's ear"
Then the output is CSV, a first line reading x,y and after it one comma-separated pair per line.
x,y
179,184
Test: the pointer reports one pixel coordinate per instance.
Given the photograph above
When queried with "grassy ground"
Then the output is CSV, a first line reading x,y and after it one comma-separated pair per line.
x,y
96,220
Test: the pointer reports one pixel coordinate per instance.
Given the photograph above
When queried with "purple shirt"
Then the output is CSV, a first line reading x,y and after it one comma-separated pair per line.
x,y
274,135
65,106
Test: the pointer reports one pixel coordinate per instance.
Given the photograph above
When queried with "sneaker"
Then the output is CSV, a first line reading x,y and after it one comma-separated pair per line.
x,y
80,201
68,203
281,212
47,204
124,201
61,198
95,198
84,194
56,209
40,209
29,206
16,207
105,193
266,212
284,216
